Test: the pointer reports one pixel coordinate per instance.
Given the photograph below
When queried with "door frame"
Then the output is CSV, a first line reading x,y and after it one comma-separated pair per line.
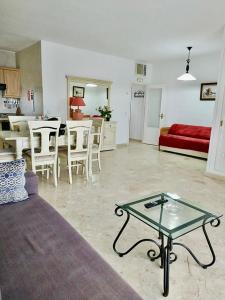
x,y
162,121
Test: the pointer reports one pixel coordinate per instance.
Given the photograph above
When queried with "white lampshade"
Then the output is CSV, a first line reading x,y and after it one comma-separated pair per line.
x,y
186,77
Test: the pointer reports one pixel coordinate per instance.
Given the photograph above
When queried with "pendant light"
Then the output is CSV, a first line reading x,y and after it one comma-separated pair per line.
x,y
187,76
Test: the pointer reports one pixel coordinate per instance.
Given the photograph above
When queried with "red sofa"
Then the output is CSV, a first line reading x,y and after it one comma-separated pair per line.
x,y
185,139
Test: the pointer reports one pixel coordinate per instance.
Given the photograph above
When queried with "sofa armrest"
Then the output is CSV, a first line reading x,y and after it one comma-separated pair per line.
x,y
164,130
31,184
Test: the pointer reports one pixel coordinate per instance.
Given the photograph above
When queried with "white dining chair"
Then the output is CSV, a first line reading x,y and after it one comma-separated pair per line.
x,y
19,123
78,146
44,154
97,136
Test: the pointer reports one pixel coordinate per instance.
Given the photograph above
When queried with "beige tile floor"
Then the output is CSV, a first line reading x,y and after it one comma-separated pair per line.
x,y
134,171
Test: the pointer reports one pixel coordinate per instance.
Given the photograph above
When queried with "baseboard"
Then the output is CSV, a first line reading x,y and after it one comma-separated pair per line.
x,y
135,140
214,174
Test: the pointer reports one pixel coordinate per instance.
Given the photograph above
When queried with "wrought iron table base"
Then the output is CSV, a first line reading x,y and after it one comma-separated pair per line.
x,y
166,254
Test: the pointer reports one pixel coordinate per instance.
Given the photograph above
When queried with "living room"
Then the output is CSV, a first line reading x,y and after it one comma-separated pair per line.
x,y
84,234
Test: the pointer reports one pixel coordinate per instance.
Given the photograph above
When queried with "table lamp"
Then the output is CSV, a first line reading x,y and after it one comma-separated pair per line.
x,y
76,101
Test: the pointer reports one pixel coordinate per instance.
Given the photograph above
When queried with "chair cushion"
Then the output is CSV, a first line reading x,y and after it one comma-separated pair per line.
x,y
12,181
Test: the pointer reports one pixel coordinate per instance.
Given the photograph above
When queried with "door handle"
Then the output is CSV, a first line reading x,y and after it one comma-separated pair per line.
x,y
161,116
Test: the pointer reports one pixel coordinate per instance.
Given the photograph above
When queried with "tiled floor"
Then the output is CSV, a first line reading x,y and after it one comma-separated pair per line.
x,y
131,172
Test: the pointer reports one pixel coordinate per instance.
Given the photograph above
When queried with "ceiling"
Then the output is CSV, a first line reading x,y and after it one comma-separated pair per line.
x,y
143,30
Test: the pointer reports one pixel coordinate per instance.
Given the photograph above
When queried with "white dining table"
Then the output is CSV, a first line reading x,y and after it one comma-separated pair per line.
x,y
20,140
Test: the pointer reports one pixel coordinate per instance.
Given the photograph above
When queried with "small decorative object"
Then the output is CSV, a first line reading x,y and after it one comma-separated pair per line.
x,y
105,112
76,101
187,76
18,111
139,94
78,91
208,91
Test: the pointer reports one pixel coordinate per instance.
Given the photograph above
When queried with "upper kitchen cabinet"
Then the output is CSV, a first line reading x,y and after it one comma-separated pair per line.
x,y
1,76
11,77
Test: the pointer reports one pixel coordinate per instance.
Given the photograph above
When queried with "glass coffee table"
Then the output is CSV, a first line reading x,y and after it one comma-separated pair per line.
x,y
172,217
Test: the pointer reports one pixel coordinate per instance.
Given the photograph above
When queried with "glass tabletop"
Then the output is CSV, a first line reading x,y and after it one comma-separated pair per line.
x,y
169,214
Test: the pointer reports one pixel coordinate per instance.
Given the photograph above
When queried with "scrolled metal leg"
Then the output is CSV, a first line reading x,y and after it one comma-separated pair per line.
x,y
151,253
119,213
204,266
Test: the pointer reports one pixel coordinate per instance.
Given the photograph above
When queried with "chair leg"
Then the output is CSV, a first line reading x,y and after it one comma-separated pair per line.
x,y
90,165
59,167
77,167
86,169
99,161
47,172
34,169
70,172
55,173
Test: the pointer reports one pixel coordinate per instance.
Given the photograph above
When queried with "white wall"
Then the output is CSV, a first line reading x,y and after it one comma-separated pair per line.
x,y
7,59
59,61
29,62
182,99
216,159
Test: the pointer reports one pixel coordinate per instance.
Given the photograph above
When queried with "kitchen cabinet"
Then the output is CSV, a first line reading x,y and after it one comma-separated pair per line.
x,y
11,77
1,76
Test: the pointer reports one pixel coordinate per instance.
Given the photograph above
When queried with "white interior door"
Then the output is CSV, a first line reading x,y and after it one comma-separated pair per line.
x,y
136,118
153,115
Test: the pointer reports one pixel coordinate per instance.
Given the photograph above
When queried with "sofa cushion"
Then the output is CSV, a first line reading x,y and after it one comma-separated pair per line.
x,y
43,257
12,181
198,132
183,142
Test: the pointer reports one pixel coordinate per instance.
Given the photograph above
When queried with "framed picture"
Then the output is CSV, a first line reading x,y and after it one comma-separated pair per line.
x,y
78,91
208,91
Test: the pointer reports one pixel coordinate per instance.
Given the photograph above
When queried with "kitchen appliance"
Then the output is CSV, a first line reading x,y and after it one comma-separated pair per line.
x,y
2,86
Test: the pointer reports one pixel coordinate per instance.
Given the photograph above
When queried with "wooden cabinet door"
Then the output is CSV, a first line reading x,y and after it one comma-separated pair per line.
x,y
12,81
1,76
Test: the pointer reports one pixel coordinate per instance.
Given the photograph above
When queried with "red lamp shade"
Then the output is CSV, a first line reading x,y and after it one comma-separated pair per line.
x,y
77,101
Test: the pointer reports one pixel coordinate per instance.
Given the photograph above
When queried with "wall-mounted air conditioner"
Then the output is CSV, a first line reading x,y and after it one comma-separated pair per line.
x,y
142,73
141,70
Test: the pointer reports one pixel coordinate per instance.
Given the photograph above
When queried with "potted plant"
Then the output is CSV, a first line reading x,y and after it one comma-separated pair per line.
x,y
105,112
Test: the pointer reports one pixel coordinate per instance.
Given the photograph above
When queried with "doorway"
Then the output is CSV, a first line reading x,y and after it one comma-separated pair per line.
x,y
137,108
153,117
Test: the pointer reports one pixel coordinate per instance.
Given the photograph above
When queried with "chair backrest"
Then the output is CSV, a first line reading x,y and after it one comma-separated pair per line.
x,y
79,136
44,138
19,123
97,130
55,119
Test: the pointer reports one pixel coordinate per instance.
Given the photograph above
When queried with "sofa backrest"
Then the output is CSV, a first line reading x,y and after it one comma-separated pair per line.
x,y
199,132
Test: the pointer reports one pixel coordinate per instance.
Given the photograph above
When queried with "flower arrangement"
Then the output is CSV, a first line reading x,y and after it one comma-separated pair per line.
x,y
106,112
